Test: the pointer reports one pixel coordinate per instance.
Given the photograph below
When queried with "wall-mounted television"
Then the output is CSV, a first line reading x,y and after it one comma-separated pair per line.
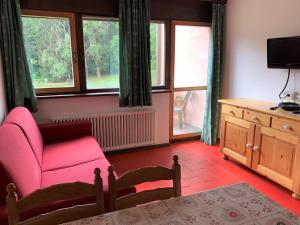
x,y
284,52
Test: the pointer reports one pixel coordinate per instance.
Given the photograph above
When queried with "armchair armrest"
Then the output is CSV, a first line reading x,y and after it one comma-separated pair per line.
x,y
65,131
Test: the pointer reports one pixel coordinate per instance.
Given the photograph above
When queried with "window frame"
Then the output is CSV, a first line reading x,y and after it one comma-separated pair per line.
x,y
165,86
78,54
74,51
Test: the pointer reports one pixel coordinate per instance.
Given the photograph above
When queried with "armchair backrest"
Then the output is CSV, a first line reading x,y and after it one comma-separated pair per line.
x,y
21,117
18,160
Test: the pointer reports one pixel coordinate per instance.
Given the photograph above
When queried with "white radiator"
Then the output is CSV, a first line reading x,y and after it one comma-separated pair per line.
x,y
120,129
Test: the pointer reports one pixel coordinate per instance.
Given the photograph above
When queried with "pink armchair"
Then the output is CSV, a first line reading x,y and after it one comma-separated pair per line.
x,y
34,157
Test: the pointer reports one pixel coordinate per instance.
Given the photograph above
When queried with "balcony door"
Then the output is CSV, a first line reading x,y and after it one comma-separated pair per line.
x,y
189,65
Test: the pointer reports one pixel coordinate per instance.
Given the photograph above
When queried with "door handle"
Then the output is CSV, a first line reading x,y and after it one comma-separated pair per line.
x,y
232,112
256,148
287,127
249,146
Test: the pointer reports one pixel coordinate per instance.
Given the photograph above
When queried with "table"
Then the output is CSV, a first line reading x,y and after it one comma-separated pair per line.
x,y
236,204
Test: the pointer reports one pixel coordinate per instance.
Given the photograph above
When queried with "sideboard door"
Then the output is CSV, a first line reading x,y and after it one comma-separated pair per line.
x,y
274,155
237,139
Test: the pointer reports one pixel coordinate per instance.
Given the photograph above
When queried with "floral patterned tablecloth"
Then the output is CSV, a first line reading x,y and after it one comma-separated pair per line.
x,y
237,204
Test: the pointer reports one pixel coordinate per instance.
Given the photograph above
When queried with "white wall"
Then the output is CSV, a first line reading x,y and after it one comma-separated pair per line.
x,y
3,109
249,24
49,108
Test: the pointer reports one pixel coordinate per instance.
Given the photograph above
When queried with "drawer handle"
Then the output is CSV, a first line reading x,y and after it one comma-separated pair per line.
x,y
255,118
255,148
287,127
232,112
249,146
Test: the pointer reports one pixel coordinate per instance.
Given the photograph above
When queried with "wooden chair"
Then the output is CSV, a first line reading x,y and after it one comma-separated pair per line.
x,y
52,194
146,174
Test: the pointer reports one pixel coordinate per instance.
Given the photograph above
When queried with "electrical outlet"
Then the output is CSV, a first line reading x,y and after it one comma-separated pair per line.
x,y
291,95
294,95
287,95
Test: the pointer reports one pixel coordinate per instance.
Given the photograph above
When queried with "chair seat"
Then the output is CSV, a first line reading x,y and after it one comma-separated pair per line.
x,y
71,153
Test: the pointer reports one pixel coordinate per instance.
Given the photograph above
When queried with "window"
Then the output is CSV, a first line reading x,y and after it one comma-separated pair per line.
x,y
190,44
157,44
51,51
191,58
101,50
101,47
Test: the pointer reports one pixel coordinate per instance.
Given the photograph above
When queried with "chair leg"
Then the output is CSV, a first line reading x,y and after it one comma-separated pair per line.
x,y
184,116
180,118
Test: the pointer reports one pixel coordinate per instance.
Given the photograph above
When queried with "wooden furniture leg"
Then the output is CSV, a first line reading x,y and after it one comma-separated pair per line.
x,y
225,157
296,196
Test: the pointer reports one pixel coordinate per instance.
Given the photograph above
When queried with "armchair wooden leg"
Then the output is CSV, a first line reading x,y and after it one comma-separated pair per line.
x,y
296,196
225,157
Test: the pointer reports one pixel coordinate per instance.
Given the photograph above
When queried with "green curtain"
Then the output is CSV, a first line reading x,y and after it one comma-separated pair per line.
x,y
18,84
214,83
135,72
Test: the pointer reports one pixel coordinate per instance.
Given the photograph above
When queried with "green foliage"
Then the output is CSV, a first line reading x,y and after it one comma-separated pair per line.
x,y
114,55
101,43
49,52
48,49
153,39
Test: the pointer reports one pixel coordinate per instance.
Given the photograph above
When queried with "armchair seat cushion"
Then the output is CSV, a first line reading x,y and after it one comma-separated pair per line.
x,y
82,172
71,153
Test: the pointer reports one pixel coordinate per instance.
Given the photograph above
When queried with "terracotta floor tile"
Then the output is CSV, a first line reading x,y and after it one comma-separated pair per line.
x,y
203,168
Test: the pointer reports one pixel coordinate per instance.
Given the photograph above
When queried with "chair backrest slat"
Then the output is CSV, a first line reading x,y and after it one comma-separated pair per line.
x,y
62,215
145,197
147,174
54,193
42,197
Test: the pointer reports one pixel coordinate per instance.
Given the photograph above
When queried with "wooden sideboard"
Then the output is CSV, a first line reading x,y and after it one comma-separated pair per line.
x,y
264,140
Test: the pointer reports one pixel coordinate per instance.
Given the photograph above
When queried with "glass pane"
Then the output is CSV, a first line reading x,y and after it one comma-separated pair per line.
x,y
189,107
101,48
191,56
157,37
49,51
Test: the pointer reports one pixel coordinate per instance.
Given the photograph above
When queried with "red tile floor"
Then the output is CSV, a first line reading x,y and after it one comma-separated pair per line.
x,y
202,168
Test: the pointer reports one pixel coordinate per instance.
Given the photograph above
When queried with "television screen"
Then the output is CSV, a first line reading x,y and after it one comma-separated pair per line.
x,y
284,52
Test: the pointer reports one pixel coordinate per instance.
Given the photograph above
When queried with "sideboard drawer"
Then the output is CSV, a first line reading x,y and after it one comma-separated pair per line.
x,y
256,117
290,126
232,111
